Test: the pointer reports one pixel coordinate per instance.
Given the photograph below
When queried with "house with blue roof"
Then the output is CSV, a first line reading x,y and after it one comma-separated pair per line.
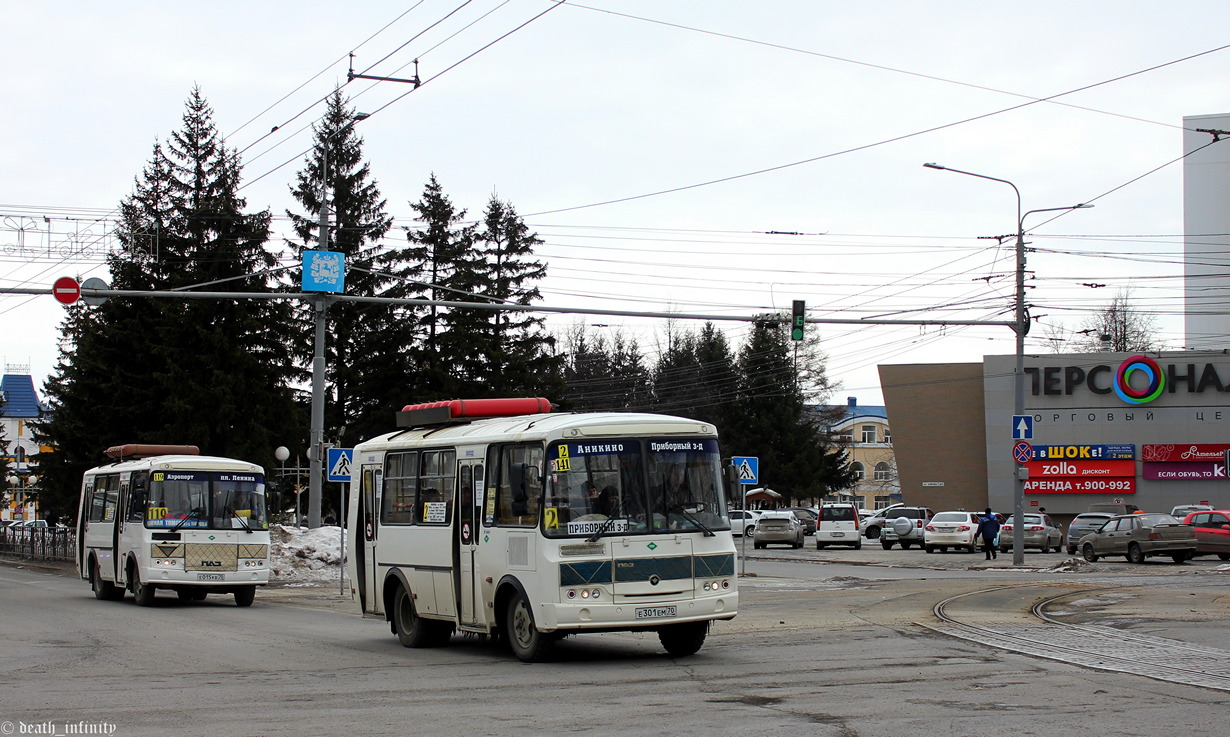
x,y
864,431
19,408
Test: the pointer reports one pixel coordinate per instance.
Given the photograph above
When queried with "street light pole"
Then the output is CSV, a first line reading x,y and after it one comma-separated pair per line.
x,y
322,302
1020,326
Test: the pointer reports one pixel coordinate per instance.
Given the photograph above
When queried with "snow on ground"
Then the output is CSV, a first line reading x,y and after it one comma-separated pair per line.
x,y
305,557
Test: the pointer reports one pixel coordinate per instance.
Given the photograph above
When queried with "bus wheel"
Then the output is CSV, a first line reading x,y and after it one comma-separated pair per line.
x,y
103,590
683,639
143,593
410,629
244,595
527,643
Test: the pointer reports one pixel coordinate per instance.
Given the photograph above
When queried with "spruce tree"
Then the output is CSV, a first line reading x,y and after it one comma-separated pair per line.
x,y
354,358
207,372
440,264
516,353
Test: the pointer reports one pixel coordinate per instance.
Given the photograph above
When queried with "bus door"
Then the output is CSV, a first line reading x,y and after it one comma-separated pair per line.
x,y
121,514
469,513
365,551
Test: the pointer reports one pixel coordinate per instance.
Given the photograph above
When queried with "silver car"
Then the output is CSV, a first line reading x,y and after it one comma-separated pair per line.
x,y
778,527
1041,532
1083,524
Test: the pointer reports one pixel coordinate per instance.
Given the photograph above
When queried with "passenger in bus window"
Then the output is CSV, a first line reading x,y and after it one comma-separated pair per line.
x,y
607,502
521,492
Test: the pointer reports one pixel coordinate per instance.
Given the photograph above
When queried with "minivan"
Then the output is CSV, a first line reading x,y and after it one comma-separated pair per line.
x,y
838,524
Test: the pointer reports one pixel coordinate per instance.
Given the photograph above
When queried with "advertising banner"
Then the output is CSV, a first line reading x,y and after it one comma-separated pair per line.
x,y
1191,470
1184,452
1080,486
1081,469
1118,451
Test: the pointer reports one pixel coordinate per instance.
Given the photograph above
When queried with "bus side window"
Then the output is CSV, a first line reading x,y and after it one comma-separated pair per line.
x,y
400,475
437,482
98,499
519,485
137,498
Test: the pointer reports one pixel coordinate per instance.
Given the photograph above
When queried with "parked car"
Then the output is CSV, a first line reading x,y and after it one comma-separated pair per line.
x,y
1114,508
1083,524
1040,530
779,526
1212,532
873,525
30,524
950,530
1139,536
807,517
838,524
1183,510
906,527
743,521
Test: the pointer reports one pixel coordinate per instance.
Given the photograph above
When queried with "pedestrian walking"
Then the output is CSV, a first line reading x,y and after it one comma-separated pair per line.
x,y
988,530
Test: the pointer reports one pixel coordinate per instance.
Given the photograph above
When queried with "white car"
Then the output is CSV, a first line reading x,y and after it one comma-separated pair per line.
x,y
838,524
950,530
743,521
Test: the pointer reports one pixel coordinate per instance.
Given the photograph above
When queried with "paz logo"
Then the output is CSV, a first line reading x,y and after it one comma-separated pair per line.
x,y
1154,380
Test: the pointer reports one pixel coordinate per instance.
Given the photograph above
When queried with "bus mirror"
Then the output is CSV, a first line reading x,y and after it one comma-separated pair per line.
x,y
731,472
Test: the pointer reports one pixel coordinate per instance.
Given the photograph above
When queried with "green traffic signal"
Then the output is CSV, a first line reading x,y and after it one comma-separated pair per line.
x,y
796,331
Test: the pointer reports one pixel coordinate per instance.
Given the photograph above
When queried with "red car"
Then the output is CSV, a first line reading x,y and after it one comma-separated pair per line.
x,y
1212,532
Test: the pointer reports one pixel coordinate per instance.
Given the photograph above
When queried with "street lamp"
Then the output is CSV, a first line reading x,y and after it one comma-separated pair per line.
x,y
1021,327
316,440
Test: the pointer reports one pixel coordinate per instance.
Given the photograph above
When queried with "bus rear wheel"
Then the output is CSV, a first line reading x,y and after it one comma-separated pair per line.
x,y
103,590
527,643
411,629
245,595
683,639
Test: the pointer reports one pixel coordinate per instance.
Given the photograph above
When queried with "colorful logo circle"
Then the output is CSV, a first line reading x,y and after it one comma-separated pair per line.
x,y
1146,366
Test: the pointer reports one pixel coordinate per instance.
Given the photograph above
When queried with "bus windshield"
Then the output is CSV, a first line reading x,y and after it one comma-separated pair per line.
x,y
219,500
633,485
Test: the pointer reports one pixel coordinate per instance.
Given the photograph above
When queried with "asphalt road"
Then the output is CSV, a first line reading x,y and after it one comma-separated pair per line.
x,y
826,643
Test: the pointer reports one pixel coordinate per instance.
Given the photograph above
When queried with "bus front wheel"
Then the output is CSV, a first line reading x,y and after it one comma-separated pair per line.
x,y
527,643
142,593
683,639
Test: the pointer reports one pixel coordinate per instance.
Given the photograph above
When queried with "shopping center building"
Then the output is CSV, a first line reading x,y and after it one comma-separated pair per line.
x,y
1149,430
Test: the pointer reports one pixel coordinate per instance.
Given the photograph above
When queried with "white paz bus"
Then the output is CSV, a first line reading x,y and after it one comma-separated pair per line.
x,y
164,517
497,517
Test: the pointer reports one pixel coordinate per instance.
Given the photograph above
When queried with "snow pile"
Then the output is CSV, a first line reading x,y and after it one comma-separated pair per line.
x,y
303,556
1072,565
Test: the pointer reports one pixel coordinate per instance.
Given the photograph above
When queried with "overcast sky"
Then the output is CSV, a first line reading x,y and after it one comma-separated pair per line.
x,y
665,151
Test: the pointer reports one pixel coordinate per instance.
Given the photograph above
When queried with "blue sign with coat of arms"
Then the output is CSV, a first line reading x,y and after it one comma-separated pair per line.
x,y
324,271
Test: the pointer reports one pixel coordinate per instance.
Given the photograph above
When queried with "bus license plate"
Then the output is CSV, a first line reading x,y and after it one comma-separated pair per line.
x,y
209,577
654,612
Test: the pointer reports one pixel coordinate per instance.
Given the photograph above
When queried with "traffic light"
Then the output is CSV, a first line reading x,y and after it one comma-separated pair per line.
x,y
796,325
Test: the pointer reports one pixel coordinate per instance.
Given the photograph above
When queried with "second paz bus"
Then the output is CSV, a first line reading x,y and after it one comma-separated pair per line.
x,y
498,517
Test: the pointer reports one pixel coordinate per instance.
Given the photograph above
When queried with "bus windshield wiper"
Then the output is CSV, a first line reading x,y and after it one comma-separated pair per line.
x,y
683,512
226,506
194,513
606,525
